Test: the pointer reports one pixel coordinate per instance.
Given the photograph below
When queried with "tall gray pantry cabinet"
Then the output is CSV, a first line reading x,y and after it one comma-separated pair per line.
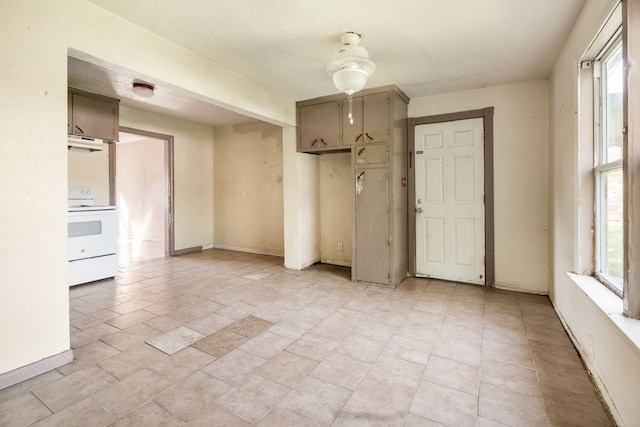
x,y
377,141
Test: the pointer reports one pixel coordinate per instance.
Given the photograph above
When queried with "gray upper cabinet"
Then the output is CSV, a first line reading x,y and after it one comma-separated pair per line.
x,y
370,119
93,116
319,127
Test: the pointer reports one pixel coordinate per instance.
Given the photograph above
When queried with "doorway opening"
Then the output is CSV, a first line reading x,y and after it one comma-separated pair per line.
x,y
449,188
141,186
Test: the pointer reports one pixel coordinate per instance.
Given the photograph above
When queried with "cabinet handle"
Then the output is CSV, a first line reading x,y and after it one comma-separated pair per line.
x,y
360,175
358,137
322,140
78,127
361,150
313,143
369,136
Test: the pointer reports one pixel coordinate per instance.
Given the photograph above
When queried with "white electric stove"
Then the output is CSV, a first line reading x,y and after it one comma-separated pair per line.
x,y
93,238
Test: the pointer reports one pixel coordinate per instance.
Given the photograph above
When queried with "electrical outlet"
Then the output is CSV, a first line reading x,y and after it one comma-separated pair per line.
x,y
340,246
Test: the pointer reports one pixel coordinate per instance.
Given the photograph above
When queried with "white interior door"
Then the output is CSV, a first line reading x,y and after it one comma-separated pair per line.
x,y
450,241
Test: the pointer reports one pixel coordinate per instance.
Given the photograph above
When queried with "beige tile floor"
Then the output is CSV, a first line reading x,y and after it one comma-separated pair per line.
x,y
225,338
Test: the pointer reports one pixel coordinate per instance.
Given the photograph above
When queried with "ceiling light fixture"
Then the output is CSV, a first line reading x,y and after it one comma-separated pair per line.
x,y
351,67
143,90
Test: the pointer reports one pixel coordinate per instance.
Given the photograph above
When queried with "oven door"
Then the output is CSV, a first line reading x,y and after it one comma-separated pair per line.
x,y
92,234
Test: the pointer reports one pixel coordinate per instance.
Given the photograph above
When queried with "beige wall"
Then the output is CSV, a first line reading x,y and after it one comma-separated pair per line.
x,y
597,329
248,188
34,305
140,189
336,199
37,37
521,135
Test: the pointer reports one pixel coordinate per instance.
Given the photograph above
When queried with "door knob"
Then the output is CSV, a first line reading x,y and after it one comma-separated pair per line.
x,y
419,201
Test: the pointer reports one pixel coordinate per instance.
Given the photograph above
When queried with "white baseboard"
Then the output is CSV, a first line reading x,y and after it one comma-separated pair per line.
x,y
249,250
518,288
335,262
36,368
187,250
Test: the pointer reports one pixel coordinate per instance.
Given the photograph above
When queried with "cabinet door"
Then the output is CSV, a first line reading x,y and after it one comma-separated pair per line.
x,y
320,126
370,120
94,117
375,114
375,154
372,225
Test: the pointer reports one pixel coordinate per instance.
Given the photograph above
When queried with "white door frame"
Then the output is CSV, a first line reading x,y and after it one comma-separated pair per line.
x,y
487,115
169,230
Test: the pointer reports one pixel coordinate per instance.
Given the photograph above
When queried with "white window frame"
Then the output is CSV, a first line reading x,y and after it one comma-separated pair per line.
x,y
602,167
625,15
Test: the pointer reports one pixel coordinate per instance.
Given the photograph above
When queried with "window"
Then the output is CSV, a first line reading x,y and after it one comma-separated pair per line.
x,y
608,118
608,199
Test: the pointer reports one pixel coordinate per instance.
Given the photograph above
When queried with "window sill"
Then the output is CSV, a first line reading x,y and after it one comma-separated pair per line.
x,y
611,306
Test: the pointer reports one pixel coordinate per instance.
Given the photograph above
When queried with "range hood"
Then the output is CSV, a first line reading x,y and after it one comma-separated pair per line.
x,y
84,143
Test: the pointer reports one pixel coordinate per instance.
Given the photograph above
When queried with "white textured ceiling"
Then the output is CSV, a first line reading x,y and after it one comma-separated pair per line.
x,y
422,46
116,82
